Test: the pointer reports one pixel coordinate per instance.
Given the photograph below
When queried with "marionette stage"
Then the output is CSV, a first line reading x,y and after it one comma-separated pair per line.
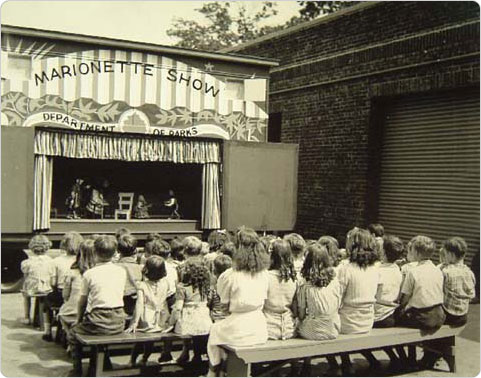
x,y
151,180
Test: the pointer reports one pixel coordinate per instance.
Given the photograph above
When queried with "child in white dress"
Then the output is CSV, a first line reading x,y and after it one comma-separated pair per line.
x,y
244,288
150,307
38,271
298,248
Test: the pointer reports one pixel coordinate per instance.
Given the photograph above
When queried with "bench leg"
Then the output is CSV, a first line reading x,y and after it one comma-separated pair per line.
x,y
446,348
99,361
41,309
236,367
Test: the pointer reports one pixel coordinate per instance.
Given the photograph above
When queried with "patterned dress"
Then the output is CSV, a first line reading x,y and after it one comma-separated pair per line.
x,y
318,311
195,318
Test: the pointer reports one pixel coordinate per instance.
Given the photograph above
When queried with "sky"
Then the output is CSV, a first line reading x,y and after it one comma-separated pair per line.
x,y
142,21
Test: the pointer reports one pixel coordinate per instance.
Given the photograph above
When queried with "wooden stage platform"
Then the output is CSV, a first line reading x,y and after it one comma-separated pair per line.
x,y
168,228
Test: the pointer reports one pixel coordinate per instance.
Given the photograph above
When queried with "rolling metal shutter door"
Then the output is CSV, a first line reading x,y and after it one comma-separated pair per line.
x,y
430,168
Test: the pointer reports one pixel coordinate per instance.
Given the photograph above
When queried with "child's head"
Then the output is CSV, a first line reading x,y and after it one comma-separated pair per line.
x,y
217,239
421,248
105,248
177,249
393,248
152,236
157,247
127,245
205,249
297,244
86,257
376,229
362,248
196,275
154,268
121,231
221,264
267,242
71,243
250,255
192,246
228,249
317,268
332,247
281,260
141,198
455,249
39,244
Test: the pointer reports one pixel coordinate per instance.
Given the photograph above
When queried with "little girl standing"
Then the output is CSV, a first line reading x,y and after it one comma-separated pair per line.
x,y
244,289
150,307
282,289
38,271
190,313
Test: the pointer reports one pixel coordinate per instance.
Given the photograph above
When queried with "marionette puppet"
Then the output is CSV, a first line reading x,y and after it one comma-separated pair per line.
x,y
95,207
74,200
141,209
173,205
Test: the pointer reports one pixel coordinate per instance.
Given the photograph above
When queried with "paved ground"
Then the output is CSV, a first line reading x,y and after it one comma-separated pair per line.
x,y
25,354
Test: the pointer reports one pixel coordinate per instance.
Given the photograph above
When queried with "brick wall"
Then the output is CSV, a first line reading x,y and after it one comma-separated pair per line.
x,y
332,74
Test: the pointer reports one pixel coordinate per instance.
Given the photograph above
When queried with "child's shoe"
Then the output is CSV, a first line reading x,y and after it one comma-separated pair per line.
x,y
25,321
47,337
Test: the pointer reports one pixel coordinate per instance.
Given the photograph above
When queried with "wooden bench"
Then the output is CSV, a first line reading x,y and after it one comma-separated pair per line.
x,y
100,344
239,359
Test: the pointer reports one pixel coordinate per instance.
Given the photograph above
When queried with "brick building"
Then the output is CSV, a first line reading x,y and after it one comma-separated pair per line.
x,y
383,99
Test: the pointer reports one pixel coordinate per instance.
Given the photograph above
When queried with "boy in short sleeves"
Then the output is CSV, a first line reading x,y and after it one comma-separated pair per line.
x,y
101,307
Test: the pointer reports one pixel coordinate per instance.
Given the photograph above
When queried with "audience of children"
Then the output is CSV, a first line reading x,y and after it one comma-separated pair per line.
x,y
229,297
278,307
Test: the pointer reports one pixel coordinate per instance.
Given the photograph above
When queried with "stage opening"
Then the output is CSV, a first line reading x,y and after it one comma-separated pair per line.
x,y
152,180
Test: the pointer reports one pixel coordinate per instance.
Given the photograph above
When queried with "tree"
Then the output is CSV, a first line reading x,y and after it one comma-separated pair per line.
x,y
314,9
225,26
229,23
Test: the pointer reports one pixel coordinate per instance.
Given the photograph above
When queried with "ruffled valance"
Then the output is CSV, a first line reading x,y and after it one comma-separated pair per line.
x,y
126,148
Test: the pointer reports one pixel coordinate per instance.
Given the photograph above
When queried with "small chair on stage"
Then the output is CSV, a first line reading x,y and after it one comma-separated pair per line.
x,y
126,203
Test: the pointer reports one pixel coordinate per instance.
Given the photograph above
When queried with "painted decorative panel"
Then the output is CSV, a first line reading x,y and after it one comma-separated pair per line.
x,y
45,84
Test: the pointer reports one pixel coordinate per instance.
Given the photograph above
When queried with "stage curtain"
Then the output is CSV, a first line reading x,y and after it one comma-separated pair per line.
x,y
126,148
42,191
210,197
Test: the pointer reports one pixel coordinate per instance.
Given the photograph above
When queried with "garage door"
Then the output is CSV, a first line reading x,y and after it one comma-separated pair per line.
x,y
430,168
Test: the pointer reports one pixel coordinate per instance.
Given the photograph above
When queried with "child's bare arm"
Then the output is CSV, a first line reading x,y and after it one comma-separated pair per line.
x,y
81,307
138,312
403,301
67,288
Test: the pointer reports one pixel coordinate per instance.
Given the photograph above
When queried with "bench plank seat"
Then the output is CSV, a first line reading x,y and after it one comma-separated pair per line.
x,y
99,344
240,358
128,338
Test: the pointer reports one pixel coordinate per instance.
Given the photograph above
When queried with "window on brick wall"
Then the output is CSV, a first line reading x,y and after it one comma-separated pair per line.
x,y
274,128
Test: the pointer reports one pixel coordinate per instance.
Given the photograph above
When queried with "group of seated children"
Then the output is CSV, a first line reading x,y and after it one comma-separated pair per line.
x,y
240,289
